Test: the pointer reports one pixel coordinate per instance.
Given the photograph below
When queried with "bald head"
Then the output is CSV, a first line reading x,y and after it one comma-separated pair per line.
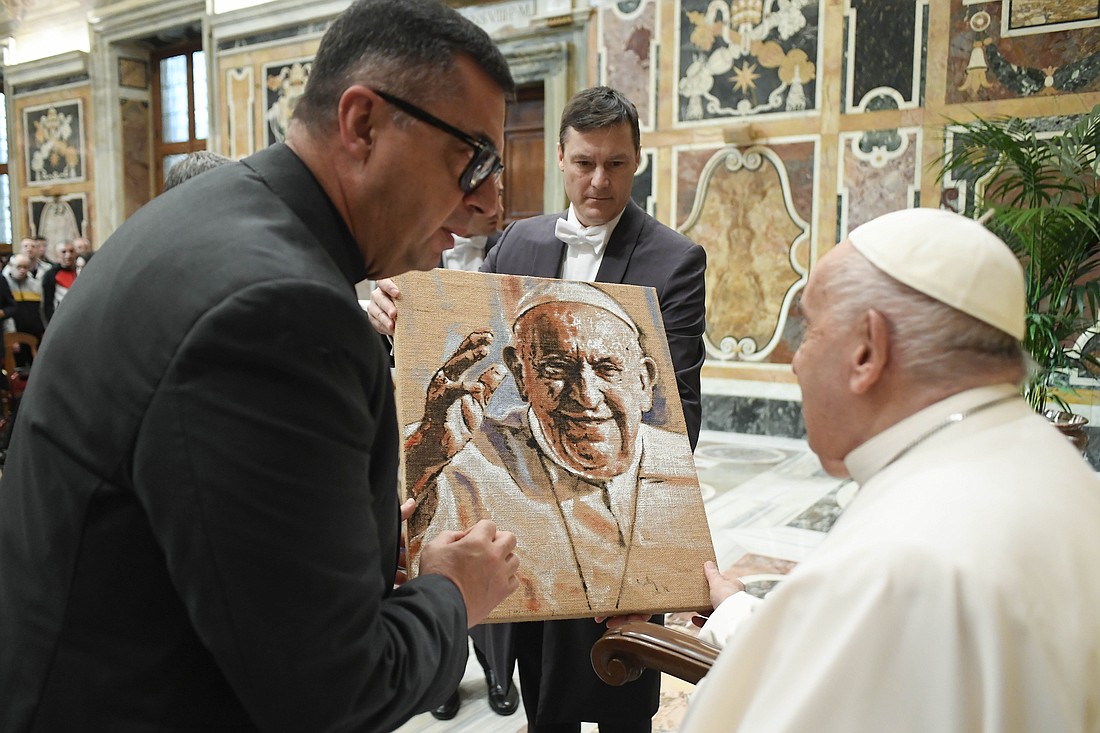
x,y
20,266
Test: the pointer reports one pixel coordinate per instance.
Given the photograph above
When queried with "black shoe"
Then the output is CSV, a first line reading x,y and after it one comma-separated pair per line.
x,y
449,709
503,702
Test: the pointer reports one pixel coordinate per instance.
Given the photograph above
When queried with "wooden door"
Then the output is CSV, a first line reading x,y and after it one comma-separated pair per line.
x,y
524,154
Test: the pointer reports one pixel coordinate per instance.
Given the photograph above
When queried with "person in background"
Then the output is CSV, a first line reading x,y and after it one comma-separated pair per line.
x,y
42,248
958,592
83,248
28,247
58,280
21,310
195,163
469,251
204,535
26,312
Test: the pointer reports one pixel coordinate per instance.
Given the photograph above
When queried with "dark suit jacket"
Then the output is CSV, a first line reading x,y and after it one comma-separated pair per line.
x,y
641,251
198,515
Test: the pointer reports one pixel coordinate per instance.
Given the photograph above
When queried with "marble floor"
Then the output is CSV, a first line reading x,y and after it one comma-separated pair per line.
x,y
768,504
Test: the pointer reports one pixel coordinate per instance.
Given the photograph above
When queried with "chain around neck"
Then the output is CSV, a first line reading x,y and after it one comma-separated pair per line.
x,y
955,417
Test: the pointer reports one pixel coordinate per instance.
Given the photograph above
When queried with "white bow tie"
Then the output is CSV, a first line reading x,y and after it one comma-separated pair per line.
x,y
575,236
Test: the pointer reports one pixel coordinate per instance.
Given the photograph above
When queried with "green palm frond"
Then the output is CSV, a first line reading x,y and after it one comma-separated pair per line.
x,y
1043,192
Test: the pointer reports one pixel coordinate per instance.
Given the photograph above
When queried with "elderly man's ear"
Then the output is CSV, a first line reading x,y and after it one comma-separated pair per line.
x,y
515,366
870,351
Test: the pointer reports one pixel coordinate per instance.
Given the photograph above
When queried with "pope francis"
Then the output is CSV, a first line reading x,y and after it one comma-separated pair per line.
x,y
959,592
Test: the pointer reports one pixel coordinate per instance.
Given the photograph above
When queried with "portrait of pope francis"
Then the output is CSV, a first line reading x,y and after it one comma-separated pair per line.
x,y
602,501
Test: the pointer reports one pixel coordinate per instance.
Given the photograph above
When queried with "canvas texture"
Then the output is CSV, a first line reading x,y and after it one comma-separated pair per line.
x,y
550,407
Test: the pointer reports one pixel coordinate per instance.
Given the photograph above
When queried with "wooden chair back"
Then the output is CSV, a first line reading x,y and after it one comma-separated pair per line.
x,y
622,654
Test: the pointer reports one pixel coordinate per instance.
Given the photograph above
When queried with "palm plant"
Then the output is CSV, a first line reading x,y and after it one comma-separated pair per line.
x,y
1042,199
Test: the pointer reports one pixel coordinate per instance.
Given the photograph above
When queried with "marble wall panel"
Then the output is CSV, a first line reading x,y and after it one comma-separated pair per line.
x,y
240,110
628,33
753,415
644,191
757,237
261,84
989,61
884,53
136,147
746,58
1030,16
879,172
35,131
284,83
133,73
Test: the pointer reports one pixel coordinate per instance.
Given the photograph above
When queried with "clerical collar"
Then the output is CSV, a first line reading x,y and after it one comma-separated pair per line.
x,y
893,443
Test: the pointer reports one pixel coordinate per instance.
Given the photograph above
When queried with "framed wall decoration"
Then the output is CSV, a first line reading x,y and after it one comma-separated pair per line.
x,y
285,82
54,147
58,218
550,407
133,73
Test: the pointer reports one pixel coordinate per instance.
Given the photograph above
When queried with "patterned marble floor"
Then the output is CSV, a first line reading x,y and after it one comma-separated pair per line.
x,y
768,504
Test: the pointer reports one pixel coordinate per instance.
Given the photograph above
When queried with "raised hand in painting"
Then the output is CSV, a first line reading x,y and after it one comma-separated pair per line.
x,y
453,410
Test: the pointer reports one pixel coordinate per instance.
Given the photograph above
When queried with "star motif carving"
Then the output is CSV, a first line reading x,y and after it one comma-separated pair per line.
x,y
744,77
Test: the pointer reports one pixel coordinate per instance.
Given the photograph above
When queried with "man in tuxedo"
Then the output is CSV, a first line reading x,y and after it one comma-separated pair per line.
x,y
603,237
202,533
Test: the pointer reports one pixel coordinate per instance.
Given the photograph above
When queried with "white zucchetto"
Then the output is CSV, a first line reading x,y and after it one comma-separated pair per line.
x,y
950,258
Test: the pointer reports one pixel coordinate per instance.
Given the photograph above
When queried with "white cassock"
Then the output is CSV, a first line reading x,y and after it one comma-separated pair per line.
x,y
958,593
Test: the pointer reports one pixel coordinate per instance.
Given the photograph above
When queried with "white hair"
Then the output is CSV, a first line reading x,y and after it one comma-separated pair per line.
x,y
931,340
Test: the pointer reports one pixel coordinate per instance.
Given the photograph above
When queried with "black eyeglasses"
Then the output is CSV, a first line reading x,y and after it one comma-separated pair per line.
x,y
486,161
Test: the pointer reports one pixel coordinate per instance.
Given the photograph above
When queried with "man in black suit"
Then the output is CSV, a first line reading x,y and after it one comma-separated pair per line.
x,y
199,527
603,237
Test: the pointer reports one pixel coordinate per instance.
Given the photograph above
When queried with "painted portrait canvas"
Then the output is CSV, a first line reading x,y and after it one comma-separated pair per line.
x,y
551,408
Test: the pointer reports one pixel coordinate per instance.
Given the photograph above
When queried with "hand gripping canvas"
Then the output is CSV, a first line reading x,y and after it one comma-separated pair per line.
x,y
551,408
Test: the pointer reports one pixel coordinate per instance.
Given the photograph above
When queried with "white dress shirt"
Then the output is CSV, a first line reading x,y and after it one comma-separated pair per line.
x,y
585,246
467,254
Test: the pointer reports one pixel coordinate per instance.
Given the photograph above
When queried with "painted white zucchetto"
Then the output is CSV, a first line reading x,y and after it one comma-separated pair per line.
x,y
950,258
567,291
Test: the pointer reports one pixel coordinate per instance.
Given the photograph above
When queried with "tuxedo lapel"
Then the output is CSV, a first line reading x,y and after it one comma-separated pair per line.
x,y
548,254
621,245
